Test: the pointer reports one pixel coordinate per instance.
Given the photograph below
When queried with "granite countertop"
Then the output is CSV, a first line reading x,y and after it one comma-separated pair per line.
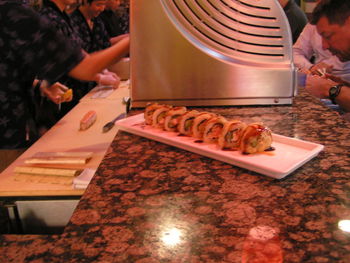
x,y
150,202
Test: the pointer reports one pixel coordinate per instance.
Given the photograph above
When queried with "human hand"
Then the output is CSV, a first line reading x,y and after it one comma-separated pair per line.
x,y
321,69
107,72
108,78
56,92
319,86
304,70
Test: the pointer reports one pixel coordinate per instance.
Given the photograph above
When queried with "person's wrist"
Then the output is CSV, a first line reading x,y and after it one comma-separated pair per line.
x,y
334,92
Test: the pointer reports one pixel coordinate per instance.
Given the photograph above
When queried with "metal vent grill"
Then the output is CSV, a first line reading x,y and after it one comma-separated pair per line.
x,y
210,52
248,30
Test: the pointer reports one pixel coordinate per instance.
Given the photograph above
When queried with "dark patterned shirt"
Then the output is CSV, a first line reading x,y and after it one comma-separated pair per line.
x,y
28,47
111,22
123,14
64,24
95,39
61,21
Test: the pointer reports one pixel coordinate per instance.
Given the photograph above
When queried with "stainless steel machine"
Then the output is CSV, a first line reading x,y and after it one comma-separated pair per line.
x,y
210,52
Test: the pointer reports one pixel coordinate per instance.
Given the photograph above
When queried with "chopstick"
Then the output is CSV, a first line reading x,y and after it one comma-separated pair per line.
x,y
322,72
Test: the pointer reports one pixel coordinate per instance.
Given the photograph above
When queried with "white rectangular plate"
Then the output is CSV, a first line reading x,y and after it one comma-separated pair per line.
x,y
289,153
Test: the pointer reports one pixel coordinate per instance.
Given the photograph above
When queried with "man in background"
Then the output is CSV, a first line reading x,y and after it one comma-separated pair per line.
x,y
111,19
332,20
311,58
90,26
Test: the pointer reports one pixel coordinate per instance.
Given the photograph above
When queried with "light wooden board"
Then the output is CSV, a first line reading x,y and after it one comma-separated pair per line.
x,y
66,136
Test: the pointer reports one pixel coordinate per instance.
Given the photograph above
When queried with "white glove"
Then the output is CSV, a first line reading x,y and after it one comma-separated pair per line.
x,y
108,78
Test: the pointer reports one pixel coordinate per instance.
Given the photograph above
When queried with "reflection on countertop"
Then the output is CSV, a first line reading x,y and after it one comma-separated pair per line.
x,y
150,202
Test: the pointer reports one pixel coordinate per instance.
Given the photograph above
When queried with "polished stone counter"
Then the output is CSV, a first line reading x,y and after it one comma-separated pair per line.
x,y
150,202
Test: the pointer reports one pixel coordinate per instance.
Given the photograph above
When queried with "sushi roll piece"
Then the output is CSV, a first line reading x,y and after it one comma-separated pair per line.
x,y
199,124
158,116
213,129
186,122
172,118
231,135
149,110
256,138
88,120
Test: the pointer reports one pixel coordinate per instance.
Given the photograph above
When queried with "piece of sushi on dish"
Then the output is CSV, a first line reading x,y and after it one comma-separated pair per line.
x,y
158,116
231,135
256,138
186,122
199,123
149,110
213,129
172,118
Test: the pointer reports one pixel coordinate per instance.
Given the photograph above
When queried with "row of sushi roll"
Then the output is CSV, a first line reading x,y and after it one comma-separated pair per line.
x,y
210,128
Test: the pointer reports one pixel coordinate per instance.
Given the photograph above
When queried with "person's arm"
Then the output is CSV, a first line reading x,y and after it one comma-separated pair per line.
x,y
303,50
94,63
319,87
116,39
343,99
